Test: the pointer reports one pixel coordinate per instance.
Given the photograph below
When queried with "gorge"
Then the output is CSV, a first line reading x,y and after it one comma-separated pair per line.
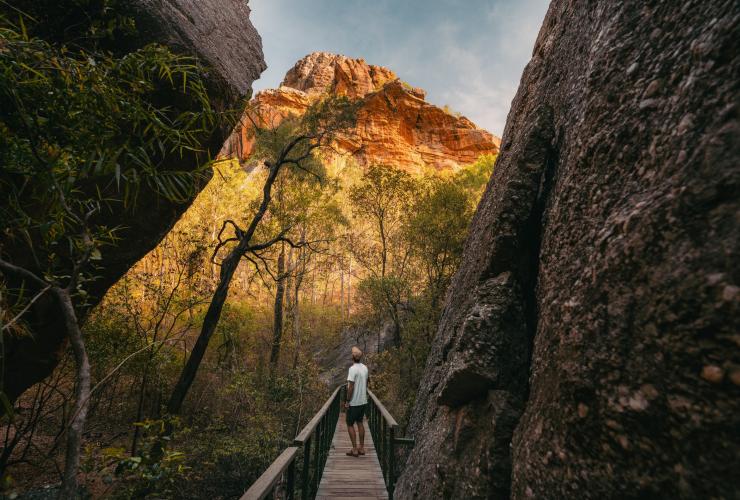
x,y
549,314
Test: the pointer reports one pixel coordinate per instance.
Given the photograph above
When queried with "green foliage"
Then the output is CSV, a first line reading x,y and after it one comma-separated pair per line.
x,y
83,132
378,203
474,177
380,293
110,336
433,231
451,112
382,193
230,332
107,25
157,471
436,230
254,421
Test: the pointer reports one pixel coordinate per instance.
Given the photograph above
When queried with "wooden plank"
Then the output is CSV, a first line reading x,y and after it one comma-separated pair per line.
x,y
262,487
350,477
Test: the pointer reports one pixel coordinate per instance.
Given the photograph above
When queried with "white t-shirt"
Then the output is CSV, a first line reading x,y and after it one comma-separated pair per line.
x,y
358,375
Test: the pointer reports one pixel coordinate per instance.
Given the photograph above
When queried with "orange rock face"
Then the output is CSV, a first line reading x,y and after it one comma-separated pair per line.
x,y
395,125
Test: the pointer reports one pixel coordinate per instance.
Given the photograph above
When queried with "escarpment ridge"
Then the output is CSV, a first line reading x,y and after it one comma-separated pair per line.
x,y
395,125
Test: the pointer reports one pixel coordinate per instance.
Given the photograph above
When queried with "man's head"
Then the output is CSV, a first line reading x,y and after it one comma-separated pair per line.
x,y
356,354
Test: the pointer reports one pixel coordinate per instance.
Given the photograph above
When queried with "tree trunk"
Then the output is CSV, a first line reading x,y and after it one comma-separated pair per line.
x,y
313,287
341,290
290,266
82,397
383,248
349,288
209,326
140,410
228,267
277,329
296,316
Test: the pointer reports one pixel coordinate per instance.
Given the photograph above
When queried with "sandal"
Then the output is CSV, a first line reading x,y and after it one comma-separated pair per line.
x,y
360,452
352,454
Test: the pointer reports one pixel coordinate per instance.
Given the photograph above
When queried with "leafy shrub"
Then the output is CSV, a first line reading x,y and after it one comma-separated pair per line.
x,y
157,470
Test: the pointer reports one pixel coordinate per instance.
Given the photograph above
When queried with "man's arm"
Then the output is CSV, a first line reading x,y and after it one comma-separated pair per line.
x,y
350,388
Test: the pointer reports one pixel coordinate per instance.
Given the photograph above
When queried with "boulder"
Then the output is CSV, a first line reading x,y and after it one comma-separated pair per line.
x,y
589,342
217,32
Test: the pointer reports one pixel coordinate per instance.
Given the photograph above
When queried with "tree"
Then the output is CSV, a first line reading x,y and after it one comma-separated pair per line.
x,y
81,133
382,197
436,231
474,177
290,145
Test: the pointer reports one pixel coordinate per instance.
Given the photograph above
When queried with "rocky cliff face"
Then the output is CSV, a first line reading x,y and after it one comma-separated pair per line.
x,y
220,34
395,125
589,343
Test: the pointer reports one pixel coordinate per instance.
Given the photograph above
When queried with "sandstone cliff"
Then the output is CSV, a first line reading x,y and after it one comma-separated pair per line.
x,y
395,125
589,343
220,34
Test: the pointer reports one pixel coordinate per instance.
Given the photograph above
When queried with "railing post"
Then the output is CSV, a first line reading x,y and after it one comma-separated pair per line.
x,y
372,424
322,426
391,463
323,444
305,487
316,465
290,494
375,425
382,450
329,436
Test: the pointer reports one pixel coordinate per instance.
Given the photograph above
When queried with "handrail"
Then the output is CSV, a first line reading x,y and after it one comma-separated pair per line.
x,y
267,481
383,428
319,430
383,411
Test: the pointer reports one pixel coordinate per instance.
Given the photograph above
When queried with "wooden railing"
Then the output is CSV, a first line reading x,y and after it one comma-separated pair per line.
x,y
384,428
318,433
314,441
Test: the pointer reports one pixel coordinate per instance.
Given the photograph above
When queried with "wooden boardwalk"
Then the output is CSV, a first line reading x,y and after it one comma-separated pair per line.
x,y
349,477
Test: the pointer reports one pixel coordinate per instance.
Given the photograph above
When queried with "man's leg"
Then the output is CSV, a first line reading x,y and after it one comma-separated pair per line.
x,y
351,430
361,432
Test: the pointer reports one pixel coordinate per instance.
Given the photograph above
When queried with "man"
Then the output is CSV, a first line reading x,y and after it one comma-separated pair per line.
x,y
356,402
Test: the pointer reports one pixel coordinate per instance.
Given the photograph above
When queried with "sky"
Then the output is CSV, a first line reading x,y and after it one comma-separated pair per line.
x,y
467,54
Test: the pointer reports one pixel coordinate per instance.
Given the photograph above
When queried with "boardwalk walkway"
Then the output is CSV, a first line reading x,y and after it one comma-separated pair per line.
x,y
349,477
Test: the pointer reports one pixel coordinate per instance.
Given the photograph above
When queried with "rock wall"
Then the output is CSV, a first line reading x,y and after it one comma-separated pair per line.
x,y
217,31
395,125
589,342
220,34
